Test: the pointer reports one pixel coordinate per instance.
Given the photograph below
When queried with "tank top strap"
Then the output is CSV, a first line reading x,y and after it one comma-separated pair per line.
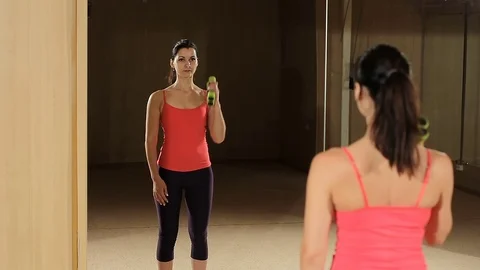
x,y
164,96
426,178
357,175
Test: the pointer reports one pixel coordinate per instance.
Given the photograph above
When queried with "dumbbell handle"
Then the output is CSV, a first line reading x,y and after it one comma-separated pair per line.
x,y
211,93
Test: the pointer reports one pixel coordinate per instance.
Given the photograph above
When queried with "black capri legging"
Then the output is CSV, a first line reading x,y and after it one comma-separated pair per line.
x,y
198,188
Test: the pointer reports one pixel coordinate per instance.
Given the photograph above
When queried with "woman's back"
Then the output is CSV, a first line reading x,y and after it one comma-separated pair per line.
x,y
381,215
383,185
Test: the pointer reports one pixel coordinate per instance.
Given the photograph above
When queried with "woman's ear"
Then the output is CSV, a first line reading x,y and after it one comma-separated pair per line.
x,y
357,91
171,63
361,96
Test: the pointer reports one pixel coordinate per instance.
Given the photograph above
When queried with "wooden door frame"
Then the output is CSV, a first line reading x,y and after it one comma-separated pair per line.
x,y
79,159
321,29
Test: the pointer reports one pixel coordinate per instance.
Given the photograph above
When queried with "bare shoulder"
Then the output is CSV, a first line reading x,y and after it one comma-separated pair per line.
x,y
156,97
329,165
331,155
440,159
442,166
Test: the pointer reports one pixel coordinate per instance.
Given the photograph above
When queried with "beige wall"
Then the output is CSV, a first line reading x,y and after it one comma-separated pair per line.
x,y
38,83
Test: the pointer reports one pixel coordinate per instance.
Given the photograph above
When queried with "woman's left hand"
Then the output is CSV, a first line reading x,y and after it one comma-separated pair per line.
x,y
214,86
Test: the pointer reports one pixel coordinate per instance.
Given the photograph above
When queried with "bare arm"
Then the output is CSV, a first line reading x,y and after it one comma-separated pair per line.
x,y
216,123
318,213
441,220
152,124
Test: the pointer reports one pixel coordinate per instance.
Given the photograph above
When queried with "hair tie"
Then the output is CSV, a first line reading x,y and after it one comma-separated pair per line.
x,y
390,72
385,75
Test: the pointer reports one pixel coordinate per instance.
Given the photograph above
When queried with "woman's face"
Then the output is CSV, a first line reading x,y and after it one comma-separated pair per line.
x,y
185,62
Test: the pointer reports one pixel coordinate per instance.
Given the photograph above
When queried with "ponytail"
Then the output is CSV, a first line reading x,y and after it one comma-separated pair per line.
x,y
172,76
395,127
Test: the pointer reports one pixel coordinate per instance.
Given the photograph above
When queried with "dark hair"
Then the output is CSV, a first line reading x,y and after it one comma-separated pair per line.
x,y
181,44
386,73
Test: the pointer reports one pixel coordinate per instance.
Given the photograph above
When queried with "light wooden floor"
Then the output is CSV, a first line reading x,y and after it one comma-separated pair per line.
x,y
256,222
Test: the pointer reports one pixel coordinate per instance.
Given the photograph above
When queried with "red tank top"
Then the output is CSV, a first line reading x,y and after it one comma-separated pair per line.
x,y
184,138
382,237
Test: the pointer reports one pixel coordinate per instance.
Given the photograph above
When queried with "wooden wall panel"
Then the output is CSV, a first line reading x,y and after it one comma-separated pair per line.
x,y
334,79
442,81
472,98
37,88
379,21
80,140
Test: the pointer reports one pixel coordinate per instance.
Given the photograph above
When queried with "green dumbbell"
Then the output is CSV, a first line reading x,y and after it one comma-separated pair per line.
x,y
423,125
211,93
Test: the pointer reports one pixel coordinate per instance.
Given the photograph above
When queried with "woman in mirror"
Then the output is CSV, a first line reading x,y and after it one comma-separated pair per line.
x,y
183,164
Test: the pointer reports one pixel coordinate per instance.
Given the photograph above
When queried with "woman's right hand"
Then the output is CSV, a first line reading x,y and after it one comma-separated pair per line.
x,y
160,192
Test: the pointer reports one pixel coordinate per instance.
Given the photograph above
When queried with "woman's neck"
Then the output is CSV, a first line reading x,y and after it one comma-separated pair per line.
x,y
184,84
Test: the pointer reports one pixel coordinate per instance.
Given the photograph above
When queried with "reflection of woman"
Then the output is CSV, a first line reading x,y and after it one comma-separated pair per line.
x,y
387,190
184,163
